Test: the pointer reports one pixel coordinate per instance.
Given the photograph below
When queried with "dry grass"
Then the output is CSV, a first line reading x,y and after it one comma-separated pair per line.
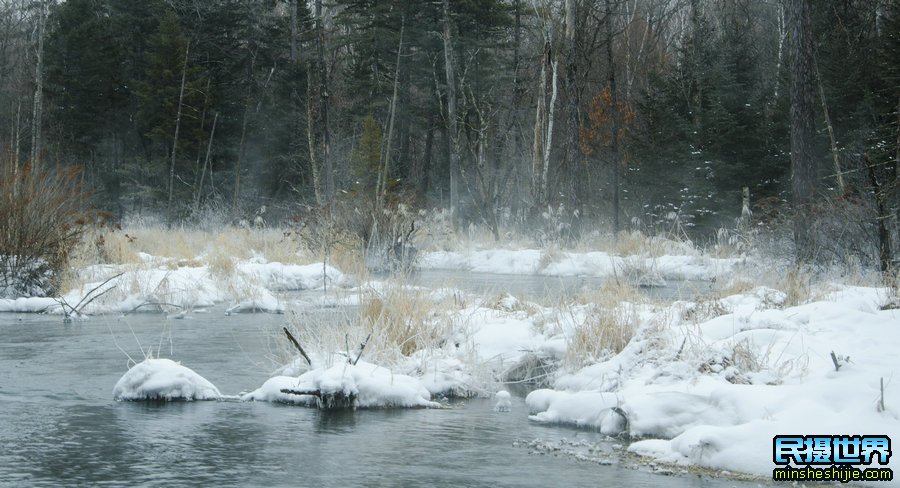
x,y
403,320
397,321
608,323
181,247
187,247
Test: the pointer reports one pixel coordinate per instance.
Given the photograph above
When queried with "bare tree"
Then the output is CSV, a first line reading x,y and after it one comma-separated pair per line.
x,y
38,106
327,166
187,51
614,106
451,116
803,163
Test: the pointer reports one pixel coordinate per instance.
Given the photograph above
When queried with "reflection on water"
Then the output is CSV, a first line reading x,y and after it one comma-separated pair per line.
x,y
59,425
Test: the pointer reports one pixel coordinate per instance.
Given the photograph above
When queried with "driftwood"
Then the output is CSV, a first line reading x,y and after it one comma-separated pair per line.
x,y
297,345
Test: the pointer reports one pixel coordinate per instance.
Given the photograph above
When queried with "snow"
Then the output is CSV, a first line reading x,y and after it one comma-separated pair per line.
x,y
713,392
503,403
370,385
163,379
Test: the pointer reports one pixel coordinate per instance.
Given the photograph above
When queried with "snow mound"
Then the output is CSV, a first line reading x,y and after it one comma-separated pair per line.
x,y
163,379
503,403
365,384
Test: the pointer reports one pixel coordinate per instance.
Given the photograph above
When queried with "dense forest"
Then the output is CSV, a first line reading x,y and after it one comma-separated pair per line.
x,y
609,114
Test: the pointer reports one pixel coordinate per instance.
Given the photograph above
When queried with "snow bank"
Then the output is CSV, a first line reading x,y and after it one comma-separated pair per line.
x,y
157,285
713,390
28,305
163,379
595,264
292,277
371,386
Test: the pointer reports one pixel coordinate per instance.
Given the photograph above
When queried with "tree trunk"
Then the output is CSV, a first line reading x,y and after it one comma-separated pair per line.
x,y
199,192
323,101
538,191
521,167
311,139
803,163
697,99
386,154
834,149
451,117
883,215
548,145
614,140
37,109
572,150
187,50
294,30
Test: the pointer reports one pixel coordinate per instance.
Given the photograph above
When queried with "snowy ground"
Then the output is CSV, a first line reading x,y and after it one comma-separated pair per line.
x,y
705,383
710,384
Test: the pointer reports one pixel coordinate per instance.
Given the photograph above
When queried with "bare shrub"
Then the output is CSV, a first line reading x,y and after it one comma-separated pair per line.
x,y
353,230
42,218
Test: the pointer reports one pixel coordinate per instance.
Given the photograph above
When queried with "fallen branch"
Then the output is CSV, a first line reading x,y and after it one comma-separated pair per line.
x,y
77,308
297,345
315,393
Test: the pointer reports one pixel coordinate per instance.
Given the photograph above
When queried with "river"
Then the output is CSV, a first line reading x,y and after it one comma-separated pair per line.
x,y
60,427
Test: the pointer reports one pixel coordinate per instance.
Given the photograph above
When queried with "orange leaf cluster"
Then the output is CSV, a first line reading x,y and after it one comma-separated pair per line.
x,y
599,131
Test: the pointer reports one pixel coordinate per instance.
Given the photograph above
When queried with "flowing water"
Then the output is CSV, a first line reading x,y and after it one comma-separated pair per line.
x,y
60,427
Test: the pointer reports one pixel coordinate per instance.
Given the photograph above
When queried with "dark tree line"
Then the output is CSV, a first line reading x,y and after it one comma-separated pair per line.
x,y
568,114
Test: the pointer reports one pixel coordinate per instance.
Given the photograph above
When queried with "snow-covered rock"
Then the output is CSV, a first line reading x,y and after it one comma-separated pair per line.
x,y
163,379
